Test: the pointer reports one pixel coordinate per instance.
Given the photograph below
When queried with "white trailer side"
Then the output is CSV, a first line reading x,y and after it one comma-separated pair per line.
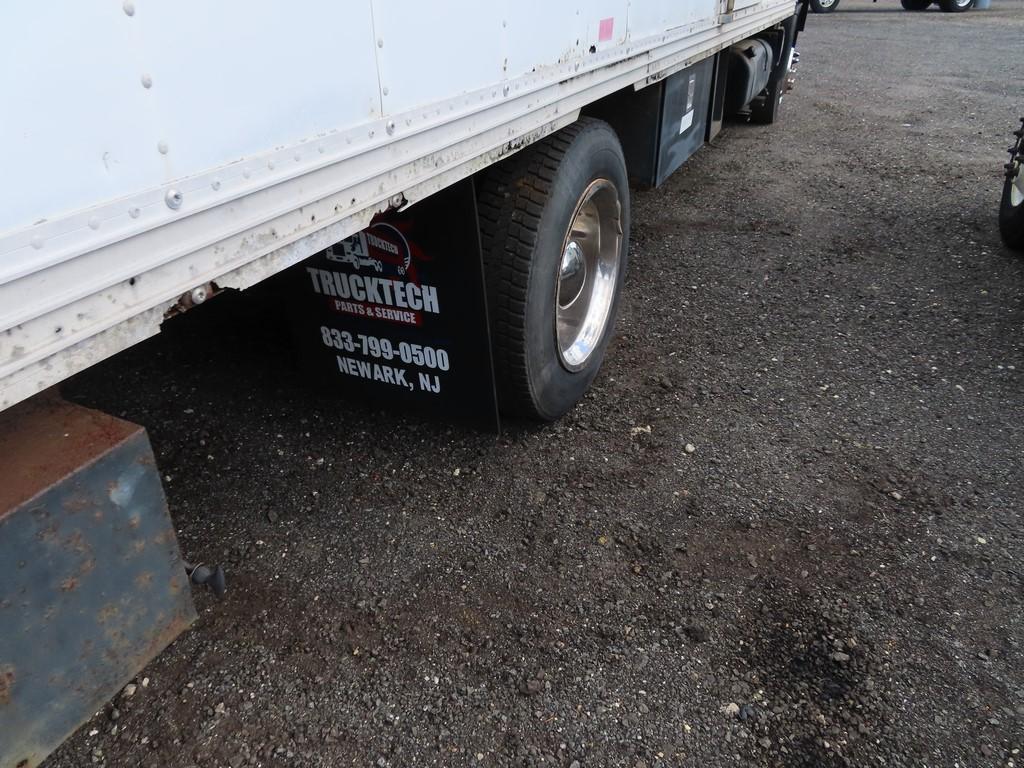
x,y
152,150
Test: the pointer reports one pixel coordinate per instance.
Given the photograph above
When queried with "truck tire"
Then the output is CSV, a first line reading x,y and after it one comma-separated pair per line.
x,y
554,227
824,6
956,6
766,108
1011,207
915,5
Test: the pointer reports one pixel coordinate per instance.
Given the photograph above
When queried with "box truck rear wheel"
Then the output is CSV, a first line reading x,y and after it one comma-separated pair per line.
x,y
554,225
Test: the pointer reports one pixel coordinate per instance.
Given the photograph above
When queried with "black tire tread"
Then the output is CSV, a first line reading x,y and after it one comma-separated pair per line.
x,y
511,196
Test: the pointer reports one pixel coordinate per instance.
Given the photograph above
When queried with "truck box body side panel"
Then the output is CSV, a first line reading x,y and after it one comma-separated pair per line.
x,y
484,45
654,17
284,131
226,81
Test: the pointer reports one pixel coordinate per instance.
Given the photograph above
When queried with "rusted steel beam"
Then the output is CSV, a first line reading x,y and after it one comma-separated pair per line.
x,y
91,581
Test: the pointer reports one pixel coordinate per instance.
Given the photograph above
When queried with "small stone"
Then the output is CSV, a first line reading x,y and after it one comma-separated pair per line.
x,y
840,657
272,516
531,687
732,709
115,713
696,632
575,764
129,690
765,742
690,448
896,495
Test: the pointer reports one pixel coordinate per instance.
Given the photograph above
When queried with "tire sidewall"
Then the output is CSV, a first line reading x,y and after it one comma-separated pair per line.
x,y
595,153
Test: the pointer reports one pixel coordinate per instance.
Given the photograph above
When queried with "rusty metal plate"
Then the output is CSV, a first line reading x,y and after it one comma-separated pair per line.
x,y
91,581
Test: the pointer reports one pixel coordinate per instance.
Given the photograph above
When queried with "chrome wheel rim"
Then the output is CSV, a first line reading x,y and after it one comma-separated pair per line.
x,y
1017,187
588,272
826,3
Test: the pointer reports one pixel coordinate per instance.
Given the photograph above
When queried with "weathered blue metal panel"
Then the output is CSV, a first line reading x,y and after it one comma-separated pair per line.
x,y
91,581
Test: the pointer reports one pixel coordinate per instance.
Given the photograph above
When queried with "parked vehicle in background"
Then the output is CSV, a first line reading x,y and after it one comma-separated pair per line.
x,y
1011,208
949,6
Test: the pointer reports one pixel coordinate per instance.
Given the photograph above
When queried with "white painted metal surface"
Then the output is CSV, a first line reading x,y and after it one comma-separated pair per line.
x,y
147,148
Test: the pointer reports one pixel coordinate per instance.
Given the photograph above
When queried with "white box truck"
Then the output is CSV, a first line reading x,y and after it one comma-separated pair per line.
x,y
153,154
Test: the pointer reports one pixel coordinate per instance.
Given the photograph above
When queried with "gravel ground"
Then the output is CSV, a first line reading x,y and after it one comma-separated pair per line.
x,y
778,532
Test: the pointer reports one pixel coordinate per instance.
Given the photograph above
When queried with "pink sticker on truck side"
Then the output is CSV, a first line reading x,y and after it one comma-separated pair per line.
x,y
605,29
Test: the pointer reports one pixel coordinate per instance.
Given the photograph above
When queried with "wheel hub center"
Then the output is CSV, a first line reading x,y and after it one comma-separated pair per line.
x,y
572,273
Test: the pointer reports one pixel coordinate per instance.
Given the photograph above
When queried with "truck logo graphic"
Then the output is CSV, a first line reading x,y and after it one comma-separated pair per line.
x,y
374,250
354,251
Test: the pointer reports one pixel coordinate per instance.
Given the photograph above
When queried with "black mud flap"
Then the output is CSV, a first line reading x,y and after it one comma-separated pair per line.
x,y
396,315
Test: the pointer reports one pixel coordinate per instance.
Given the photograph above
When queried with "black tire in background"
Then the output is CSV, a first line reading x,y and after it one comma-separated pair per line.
x,y
956,6
915,5
824,6
527,204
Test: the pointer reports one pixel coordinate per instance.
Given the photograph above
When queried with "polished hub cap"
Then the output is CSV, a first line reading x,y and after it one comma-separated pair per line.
x,y
1017,187
587,274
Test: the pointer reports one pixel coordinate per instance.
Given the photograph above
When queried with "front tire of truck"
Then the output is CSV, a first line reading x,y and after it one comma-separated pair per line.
x,y
824,6
956,6
915,5
554,227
